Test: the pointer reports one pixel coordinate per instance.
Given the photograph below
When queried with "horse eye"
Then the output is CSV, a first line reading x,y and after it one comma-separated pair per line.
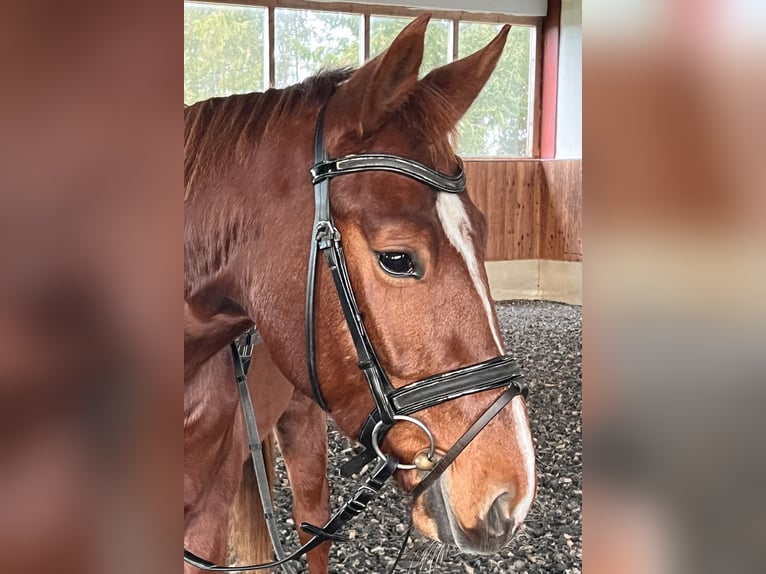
x,y
397,264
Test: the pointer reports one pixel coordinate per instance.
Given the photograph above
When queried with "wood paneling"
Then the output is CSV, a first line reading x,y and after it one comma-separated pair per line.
x,y
561,211
533,207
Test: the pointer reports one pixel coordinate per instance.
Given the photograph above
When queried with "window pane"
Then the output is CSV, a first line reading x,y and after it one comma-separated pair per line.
x,y
306,41
223,50
499,122
383,30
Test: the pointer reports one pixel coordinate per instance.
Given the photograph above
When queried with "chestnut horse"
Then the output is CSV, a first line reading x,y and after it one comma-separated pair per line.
x,y
426,306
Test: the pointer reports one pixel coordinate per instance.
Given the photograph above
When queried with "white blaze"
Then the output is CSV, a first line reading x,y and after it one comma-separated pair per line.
x,y
527,448
457,228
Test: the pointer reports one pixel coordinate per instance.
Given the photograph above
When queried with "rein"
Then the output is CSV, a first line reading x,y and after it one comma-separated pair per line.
x,y
256,450
392,405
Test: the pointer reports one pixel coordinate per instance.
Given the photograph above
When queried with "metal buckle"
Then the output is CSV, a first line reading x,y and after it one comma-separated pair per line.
x,y
245,349
325,234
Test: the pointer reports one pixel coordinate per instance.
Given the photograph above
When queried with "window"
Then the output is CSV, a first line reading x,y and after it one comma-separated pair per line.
x,y
500,121
224,50
228,49
438,45
306,41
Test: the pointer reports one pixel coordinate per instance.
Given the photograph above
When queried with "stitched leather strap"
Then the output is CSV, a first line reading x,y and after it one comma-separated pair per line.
x,y
256,454
464,440
327,169
426,393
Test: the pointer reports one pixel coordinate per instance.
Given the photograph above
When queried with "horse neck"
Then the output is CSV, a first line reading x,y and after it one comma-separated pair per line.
x,y
247,237
204,336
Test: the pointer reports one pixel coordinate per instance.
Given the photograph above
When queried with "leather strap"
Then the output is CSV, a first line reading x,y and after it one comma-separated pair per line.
x,y
452,385
380,387
256,453
326,169
322,218
352,508
426,393
326,238
464,440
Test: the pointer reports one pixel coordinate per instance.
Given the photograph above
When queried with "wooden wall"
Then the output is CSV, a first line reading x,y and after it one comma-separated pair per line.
x,y
533,207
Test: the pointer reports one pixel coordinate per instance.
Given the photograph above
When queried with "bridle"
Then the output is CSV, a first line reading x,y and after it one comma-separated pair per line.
x,y
392,404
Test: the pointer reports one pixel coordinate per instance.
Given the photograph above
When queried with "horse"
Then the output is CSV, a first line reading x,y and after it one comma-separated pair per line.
x,y
415,291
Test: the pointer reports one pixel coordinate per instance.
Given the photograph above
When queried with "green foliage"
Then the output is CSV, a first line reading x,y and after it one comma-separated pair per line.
x,y
224,53
306,41
497,123
223,50
384,29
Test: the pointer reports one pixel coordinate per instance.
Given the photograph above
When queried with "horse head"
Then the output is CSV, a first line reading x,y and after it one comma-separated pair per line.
x,y
416,262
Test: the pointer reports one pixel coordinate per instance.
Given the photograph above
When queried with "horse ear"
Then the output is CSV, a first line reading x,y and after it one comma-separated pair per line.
x,y
459,82
384,83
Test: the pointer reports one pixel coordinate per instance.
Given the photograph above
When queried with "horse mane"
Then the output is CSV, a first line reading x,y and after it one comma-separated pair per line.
x,y
223,130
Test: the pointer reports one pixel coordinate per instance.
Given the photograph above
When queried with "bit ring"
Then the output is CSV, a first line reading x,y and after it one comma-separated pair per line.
x,y
403,418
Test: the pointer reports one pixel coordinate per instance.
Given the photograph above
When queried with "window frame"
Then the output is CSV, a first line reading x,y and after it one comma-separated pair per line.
x,y
454,16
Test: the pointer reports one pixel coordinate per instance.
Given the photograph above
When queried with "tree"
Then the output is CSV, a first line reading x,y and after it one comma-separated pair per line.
x,y
306,41
223,50
497,124
384,29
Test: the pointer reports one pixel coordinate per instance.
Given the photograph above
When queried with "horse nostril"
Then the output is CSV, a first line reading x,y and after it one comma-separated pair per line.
x,y
498,520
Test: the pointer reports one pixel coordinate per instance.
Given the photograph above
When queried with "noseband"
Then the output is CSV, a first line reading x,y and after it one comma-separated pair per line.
x,y
391,405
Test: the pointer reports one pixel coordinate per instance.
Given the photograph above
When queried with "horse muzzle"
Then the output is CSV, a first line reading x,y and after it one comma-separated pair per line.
x,y
487,534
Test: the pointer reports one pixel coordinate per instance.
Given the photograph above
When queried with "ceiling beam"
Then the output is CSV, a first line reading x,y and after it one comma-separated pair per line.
x,y
511,7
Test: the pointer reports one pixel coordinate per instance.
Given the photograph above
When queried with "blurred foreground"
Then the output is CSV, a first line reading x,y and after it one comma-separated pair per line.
x,y
675,286
91,252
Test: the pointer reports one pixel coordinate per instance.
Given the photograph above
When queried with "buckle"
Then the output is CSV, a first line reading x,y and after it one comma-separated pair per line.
x,y
326,234
246,346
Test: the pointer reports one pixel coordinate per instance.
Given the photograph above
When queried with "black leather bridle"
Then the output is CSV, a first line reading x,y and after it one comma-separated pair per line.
x,y
392,404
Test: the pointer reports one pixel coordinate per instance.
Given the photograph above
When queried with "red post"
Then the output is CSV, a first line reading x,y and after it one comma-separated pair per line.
x,y
550,79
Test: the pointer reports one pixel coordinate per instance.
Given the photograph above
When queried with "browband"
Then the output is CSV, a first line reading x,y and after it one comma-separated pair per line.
x,y
392,163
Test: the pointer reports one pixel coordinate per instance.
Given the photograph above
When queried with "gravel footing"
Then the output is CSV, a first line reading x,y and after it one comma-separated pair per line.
x,y
547,339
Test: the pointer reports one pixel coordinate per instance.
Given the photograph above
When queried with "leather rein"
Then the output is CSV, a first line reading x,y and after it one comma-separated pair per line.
x,y
392,404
